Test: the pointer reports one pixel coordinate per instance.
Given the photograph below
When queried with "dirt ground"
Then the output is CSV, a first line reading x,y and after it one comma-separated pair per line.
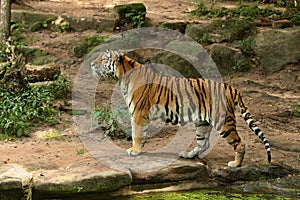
x,y
270,99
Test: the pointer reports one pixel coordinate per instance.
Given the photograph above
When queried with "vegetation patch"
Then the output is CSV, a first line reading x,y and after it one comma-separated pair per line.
x,y
82,48
20,110
134,14
250,12
112,121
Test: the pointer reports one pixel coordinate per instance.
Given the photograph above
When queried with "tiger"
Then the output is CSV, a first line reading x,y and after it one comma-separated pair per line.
x,y
204,102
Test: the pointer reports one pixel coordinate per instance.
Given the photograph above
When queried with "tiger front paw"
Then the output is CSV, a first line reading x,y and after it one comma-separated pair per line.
x,y
133,152
185,154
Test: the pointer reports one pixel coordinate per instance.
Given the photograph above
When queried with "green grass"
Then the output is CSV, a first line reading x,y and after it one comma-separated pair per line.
x,y
53,135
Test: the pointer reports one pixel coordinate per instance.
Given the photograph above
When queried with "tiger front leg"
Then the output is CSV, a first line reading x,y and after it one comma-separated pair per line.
x,y
138,139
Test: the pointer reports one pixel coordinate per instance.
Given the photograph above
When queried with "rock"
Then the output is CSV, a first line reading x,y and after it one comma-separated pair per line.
x,y
177,26
175,65
78,180
47,72
254,173
228,59
220,31
284,23
276,48
179,171
288,186
13,180
134,14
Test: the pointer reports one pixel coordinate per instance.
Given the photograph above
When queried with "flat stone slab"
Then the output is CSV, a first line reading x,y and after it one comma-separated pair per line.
x,y
13,179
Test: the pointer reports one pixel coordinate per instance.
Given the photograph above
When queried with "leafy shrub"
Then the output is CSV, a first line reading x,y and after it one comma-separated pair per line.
x,y
248,46
19,111
137,18
110,125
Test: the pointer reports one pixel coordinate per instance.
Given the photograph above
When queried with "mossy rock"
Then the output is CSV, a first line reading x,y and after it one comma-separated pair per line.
x,y
229,59
134,14
220,31
174,65
255,173
177,26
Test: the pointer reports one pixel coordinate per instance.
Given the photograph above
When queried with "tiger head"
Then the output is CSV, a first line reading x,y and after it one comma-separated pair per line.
x,y
105,64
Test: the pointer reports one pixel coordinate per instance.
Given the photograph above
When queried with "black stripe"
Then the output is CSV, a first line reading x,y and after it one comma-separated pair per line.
x,y
226,133
257,131
235,141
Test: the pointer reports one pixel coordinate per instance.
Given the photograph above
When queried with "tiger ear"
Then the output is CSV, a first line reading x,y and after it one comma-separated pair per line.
x,y
118,56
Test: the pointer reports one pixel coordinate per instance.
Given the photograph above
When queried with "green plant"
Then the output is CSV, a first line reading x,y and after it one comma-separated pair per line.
x,y
19,111
80,151
18,34
65,26
201,10
248,11
248,46
107,121
94,40
137,18
295,110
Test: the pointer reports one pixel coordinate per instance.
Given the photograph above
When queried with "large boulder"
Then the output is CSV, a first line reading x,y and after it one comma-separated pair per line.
x,y
220,31
228,59
276,48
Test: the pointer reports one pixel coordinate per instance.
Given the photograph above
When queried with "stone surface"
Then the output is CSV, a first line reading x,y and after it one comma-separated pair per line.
x,y
47,72
276,48
179,171
228,59
254,173
77,180
13,179
220,31
174,65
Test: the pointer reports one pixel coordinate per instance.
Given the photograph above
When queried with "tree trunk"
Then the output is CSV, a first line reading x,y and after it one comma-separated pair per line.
x,y
5,15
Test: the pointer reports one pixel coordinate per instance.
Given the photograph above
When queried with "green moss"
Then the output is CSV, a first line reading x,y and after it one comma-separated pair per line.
x,y
205,195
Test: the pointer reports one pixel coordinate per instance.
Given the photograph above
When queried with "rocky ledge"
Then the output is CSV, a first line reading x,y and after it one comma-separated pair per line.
x,y
82,180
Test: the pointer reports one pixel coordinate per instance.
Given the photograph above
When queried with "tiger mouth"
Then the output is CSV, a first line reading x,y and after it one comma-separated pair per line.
x,y
96,71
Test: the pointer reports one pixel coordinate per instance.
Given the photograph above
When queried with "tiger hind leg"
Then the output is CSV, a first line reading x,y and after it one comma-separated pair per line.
x,y
239,147
202,141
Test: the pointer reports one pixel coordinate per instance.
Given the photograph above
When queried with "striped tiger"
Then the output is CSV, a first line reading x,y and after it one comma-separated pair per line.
x,y
150,95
